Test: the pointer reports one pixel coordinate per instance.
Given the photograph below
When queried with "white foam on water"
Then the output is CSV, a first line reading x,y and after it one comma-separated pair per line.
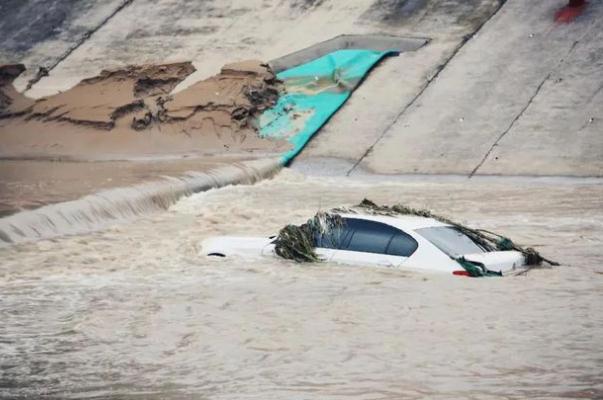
x,y
97,210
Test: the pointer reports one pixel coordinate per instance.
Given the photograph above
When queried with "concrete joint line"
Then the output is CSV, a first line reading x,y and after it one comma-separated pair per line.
x,y
517,117
440,68
80,42
399,115
523,110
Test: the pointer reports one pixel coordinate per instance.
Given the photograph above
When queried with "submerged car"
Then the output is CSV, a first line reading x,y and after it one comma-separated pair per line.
x,y
408,242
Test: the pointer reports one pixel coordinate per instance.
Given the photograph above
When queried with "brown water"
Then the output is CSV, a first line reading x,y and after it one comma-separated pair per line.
x,y
30,184
134,312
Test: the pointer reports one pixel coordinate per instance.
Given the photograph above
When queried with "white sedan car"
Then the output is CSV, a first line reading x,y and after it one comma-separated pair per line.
x,y
408,242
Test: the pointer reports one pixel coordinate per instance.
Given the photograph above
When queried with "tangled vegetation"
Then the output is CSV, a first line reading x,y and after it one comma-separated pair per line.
x,y
297,242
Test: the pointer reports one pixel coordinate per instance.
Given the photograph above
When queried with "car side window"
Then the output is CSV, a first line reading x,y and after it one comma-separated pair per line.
x,y
402,244
369,236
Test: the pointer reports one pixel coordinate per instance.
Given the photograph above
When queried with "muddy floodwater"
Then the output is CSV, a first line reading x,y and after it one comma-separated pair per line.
x,y
135,312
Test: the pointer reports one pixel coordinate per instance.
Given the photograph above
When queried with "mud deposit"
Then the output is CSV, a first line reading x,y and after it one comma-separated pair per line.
x,y
133,112
135,313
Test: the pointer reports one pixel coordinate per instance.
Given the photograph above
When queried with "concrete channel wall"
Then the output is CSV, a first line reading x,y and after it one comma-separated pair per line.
x,y
43,33
499,89
523,97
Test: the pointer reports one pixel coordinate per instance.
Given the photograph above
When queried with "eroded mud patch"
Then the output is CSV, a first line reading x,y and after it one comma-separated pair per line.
x,y
133,110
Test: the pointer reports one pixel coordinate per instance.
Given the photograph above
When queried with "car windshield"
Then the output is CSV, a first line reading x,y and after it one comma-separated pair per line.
x,y
450,240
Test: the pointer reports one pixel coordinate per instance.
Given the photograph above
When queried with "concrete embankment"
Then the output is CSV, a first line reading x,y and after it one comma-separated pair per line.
x,y
500,88
43,33
214,33
80,40
521,97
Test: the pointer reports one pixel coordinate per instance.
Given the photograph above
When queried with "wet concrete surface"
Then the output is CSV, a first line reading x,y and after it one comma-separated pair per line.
x,y
40,32
520,101
50,19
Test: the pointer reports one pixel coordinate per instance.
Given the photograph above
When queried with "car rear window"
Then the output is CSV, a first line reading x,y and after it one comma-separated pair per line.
x,y
450,240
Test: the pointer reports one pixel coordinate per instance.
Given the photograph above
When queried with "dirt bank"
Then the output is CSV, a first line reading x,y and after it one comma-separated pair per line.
x,y
132,112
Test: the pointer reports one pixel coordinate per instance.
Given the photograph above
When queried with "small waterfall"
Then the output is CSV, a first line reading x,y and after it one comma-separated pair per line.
x,y
98,210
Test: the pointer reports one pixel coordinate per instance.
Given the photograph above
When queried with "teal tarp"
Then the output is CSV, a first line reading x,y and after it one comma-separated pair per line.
x,y
315,91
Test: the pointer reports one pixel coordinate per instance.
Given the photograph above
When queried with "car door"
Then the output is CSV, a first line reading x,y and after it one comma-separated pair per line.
x,y
373,243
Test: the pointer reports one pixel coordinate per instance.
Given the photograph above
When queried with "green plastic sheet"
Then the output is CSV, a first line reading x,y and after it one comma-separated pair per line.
x,y
315,91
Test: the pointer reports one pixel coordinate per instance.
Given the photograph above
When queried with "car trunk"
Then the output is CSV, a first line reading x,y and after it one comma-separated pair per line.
x,y
498,261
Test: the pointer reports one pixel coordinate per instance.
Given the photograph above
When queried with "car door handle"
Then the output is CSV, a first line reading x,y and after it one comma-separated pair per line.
x,y
386,263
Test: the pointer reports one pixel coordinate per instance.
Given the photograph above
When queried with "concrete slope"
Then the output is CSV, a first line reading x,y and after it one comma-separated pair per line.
x,y
394,84
210,33
522,98
560,131
40,33
213,32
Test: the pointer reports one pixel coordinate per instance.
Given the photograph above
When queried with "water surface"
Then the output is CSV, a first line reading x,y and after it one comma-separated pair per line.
x,y
134,312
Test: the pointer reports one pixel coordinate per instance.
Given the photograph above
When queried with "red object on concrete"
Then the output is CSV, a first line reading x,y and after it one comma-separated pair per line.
x,y
568,13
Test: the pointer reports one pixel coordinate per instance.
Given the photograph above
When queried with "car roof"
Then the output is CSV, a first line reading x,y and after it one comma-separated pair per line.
x,y
403,222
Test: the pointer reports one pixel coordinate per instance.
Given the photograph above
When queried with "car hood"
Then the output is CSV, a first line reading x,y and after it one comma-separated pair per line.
x,y
245,246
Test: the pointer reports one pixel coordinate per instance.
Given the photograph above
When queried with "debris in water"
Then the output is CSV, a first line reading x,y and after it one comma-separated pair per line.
x,y
297,242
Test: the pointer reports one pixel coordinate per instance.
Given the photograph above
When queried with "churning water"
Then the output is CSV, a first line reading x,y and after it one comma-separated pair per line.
x,y
134,312
121,204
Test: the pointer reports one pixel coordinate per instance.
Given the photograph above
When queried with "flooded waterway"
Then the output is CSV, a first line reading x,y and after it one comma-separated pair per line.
x,y
135,312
